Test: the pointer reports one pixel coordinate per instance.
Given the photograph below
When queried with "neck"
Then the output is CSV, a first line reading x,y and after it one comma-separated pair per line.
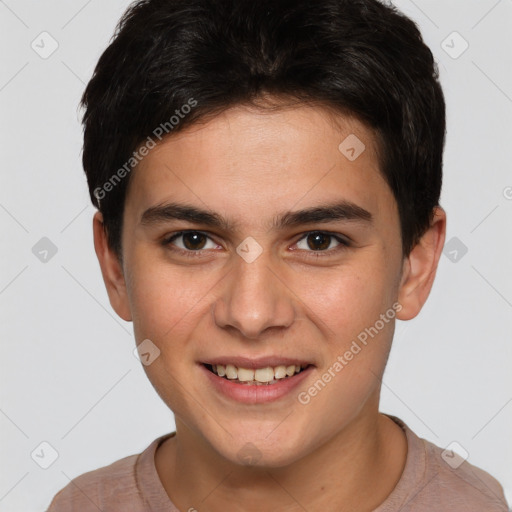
x,y
355,470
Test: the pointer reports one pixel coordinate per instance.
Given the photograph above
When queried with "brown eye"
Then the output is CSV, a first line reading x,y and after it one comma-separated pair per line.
x,y
189,241
194,241
319,241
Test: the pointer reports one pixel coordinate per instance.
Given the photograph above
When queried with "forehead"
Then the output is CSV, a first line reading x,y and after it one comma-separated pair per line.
x,y
251,163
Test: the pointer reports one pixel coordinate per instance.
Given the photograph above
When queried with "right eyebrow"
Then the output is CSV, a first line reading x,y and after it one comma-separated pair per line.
x,y
174,211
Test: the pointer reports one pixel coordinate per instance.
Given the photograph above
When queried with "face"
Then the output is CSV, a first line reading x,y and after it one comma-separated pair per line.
x,y
254,246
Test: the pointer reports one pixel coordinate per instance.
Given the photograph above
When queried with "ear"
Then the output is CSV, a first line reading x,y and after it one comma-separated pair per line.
x,y
111,269
419,268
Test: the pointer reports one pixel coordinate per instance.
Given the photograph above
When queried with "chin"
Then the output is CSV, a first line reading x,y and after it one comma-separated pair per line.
x,y
262,451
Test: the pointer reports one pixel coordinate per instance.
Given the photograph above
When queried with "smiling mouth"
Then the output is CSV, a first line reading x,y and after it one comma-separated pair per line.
x,y
257,377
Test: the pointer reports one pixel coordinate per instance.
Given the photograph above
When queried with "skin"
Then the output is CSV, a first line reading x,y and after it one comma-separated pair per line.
x,y
250,165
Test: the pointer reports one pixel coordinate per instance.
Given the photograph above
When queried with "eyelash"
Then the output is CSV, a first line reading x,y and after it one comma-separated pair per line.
x,y
344,244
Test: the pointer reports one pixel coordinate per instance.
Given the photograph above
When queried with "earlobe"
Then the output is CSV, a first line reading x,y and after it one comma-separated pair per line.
x,y
111,270
420,268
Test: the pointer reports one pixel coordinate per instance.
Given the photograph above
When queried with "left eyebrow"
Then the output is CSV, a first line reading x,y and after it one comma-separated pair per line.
x,y
344,211
340,211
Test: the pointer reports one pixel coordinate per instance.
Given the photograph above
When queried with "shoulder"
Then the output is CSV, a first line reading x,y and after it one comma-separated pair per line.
x,y
462,484
101,488
440,479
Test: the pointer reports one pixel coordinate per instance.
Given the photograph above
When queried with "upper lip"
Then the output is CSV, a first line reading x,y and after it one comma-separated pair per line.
x,y
254,363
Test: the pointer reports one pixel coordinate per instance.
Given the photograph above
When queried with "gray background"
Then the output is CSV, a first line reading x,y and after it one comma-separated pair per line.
x,y
68,374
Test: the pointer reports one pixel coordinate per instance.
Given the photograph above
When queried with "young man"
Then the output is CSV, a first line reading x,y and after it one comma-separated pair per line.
x,y
267,175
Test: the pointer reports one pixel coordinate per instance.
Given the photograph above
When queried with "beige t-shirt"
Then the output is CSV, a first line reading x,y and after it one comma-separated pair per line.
x,y
428,484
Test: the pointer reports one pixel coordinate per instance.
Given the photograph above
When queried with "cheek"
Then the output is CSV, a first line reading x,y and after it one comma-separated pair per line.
x,y
175,390
348,299
162,299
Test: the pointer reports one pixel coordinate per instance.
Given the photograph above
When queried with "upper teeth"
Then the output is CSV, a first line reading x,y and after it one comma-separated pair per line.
x,y
266,374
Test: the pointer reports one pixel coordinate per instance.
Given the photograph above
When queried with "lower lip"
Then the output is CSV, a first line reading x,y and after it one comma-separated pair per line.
x,y
253,393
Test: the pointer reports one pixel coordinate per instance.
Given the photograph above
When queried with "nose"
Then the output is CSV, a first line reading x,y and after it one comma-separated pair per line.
x,y
254,299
